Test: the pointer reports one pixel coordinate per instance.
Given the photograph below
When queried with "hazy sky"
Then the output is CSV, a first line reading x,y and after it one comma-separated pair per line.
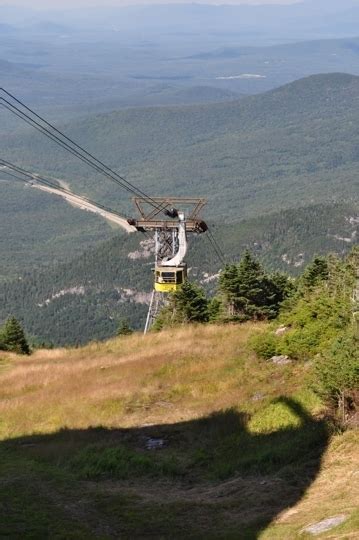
x,y
81,3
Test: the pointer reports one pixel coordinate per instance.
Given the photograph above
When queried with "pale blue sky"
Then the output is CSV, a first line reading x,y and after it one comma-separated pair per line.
x,y
48,4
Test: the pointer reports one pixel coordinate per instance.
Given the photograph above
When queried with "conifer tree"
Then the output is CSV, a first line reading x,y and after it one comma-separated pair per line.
x,y
124,328
249,293
228,285
190,304
215,309
187,305
316,272
251,286
13,337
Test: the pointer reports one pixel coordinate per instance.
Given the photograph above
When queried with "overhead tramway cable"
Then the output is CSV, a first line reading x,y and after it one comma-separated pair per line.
x,y
36,178
28,120
216,251
216,247
50,131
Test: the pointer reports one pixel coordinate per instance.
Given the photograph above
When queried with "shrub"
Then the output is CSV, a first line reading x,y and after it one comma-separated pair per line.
x,y
264,345
124,328
337,375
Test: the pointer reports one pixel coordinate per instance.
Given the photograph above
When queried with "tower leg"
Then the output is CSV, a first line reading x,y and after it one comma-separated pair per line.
x,y
158,301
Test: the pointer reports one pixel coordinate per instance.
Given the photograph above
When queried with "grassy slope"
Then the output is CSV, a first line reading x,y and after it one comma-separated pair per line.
x,y
244,458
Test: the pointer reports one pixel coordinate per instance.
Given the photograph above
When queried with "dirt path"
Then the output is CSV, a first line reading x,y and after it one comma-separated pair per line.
x,y
79,202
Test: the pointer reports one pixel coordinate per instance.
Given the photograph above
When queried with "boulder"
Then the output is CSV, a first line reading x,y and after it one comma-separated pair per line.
x,y
281,360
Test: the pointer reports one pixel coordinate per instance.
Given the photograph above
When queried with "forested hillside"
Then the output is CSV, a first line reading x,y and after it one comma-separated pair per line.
x,y
295,146
259,154
257,160
38,229
86,298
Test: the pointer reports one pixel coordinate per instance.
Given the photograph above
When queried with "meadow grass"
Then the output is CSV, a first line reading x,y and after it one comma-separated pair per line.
x,y
247,453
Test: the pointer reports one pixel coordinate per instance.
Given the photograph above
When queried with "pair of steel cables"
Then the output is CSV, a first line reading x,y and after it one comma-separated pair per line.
x,y
30,117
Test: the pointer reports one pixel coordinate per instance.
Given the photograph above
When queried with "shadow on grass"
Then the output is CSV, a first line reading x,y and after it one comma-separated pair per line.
x,y
209,478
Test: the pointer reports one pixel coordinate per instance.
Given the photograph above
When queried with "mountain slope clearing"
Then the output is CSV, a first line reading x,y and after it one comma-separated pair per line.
x,y
182,434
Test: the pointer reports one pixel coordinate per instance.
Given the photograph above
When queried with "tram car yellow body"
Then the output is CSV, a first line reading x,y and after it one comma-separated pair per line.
x,y
170,278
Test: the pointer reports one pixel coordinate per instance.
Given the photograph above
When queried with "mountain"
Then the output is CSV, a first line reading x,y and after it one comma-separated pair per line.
x,y
6,29
85,298
93,74
296,144
279,171
165,94
38,229
14,69
265,23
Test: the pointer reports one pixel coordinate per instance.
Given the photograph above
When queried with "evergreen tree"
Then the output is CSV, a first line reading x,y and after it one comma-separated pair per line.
x,y
124,328
214,309
228,285
190,304
316,272
249,293
13,337
187,305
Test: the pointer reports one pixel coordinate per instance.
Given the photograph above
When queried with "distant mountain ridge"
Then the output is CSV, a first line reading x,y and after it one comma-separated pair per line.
x,y
270,23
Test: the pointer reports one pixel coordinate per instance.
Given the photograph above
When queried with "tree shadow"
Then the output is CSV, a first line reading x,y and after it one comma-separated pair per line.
x,y
206,478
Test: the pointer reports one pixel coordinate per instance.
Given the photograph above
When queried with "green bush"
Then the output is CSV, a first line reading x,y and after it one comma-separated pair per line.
x,y
315,320
337,375
265,345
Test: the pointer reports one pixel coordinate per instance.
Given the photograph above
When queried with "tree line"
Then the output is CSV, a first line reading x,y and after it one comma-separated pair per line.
x,y
245,292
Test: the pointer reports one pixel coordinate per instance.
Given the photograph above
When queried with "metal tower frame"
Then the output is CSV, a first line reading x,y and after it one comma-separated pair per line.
x,y
164,220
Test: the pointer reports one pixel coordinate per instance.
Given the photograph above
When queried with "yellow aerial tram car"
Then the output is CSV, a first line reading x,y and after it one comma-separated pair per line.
x,y
170,278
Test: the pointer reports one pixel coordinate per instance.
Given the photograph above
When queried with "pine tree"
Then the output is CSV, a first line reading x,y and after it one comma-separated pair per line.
x,y
249,293
214,309
316,272
228,285
124,328
190,304
251,286
13,337
187,305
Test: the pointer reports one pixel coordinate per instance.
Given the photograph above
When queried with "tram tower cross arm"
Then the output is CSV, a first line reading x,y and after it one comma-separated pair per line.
x,y
162,213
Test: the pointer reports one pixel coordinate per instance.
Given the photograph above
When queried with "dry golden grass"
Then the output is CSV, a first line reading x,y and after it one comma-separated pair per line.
x,y
334,492
130,381
171,377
